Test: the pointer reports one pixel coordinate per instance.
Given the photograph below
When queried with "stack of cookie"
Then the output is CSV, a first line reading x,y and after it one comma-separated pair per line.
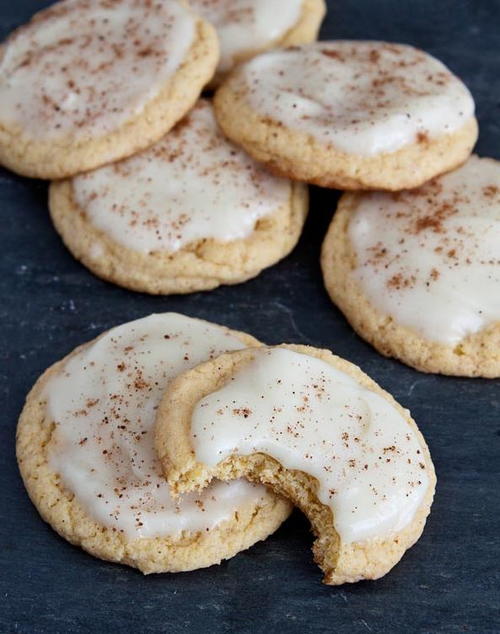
x,y
193,209
160,191
416,272
85,447
217,404
142,202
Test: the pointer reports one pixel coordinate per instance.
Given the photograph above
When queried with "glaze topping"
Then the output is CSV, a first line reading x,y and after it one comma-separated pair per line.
x,y
312,417
85,67
430,257
247,25
363,98
191,185
103,403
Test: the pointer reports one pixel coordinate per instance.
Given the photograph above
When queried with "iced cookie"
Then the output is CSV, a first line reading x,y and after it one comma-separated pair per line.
x,y
86,452
350,115
417,273
317,430
87,82
248,27
188,214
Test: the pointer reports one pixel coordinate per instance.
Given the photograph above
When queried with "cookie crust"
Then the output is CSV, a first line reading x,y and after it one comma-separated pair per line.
x,y
303,31
478,355
66,157
298,155
60,508
341,562
202,265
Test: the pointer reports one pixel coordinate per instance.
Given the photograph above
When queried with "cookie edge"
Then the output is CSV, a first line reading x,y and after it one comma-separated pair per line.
x,y
300,156
305,30
63,158
468,359
190,551
200,266
369,559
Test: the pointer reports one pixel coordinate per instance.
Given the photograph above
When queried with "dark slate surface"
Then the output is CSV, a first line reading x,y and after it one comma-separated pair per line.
x,y
449,582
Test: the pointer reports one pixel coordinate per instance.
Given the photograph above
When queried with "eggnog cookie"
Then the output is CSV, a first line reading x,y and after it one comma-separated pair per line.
x,y
248,27
417,273
87,82
188,214
351,115
319,431
86,452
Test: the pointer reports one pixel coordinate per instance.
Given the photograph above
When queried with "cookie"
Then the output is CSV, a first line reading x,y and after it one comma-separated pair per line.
x,y
86,453
317,430
350,115
417,273
248,27
188,214
88,82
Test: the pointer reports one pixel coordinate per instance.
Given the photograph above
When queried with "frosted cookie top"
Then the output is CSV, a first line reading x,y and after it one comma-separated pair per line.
x,y
103,402
247,25
363,98
191,185
430,257
310,416
85,67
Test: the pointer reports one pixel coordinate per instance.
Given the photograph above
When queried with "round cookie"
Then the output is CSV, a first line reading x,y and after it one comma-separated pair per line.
x,y
86,453
317,430
88,82
350,115
188,214
248,27
417,273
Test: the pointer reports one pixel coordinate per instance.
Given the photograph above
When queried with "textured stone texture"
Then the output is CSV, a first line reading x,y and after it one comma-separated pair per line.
x,y
449,582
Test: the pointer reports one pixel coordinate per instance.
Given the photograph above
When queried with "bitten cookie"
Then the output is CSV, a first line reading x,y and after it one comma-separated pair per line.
x,y
317,430
86,453
87,82
188,214
417,273
351,115
248,27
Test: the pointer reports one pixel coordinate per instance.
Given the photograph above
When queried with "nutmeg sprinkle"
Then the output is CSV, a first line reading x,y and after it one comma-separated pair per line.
x,y
104,452
85,67
245,26
193,185
430,257
318,419
362,98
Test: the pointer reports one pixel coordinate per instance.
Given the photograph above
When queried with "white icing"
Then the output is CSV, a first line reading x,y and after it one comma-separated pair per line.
x,y
430,258
103,402
84,67
363,98
312,417
191,185
247,25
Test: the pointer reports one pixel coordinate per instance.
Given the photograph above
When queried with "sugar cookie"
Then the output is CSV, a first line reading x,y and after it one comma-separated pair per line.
x,y
318,430
188,214
351,115
248,27
87,82
417,273
86,453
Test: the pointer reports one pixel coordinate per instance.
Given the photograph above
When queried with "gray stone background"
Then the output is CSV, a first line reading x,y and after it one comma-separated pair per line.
x,y
449,582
